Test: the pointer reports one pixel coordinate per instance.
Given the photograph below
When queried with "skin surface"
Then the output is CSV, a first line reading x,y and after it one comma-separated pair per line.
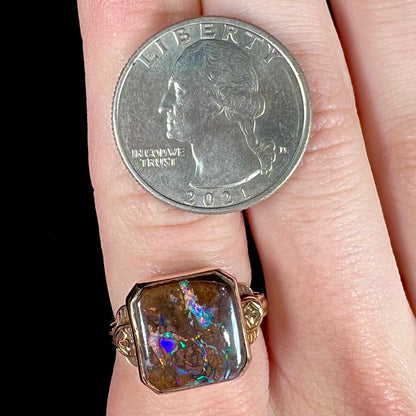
x,y
336,242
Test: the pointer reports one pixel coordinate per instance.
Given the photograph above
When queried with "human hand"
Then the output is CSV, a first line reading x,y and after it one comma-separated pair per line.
x,y
340,337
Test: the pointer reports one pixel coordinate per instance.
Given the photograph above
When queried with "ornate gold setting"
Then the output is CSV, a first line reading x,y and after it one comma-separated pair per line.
x,y
122,335
254,306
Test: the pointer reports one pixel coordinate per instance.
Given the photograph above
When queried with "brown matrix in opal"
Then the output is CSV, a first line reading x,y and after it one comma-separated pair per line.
x,y
190,333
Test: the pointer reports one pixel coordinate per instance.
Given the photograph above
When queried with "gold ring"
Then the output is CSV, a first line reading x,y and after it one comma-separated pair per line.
x,y
189,330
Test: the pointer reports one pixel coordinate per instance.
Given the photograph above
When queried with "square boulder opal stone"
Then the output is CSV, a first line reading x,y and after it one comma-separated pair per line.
x,y
188,331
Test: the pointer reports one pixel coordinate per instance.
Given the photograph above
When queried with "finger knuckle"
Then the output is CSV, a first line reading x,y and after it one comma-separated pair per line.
x,y
119,16
334,160
374,382
154,229
401,158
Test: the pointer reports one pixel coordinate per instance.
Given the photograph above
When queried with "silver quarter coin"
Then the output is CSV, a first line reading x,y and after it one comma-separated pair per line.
x,y
211,115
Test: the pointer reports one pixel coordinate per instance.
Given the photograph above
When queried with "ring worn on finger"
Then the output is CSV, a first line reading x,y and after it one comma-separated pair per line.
x,y
224,123
188,331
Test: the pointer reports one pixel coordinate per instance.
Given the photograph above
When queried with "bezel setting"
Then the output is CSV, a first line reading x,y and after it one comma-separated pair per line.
x,y
188,330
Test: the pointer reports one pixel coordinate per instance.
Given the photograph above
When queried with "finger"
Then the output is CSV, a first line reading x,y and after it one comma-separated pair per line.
x,y
141,237
379,39
136,229
340,331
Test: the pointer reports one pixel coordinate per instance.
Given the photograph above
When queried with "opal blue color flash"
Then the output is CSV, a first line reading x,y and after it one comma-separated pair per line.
x,y
167,344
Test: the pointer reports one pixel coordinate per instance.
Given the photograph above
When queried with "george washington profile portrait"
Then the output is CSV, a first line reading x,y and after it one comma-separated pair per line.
x,y
212,103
